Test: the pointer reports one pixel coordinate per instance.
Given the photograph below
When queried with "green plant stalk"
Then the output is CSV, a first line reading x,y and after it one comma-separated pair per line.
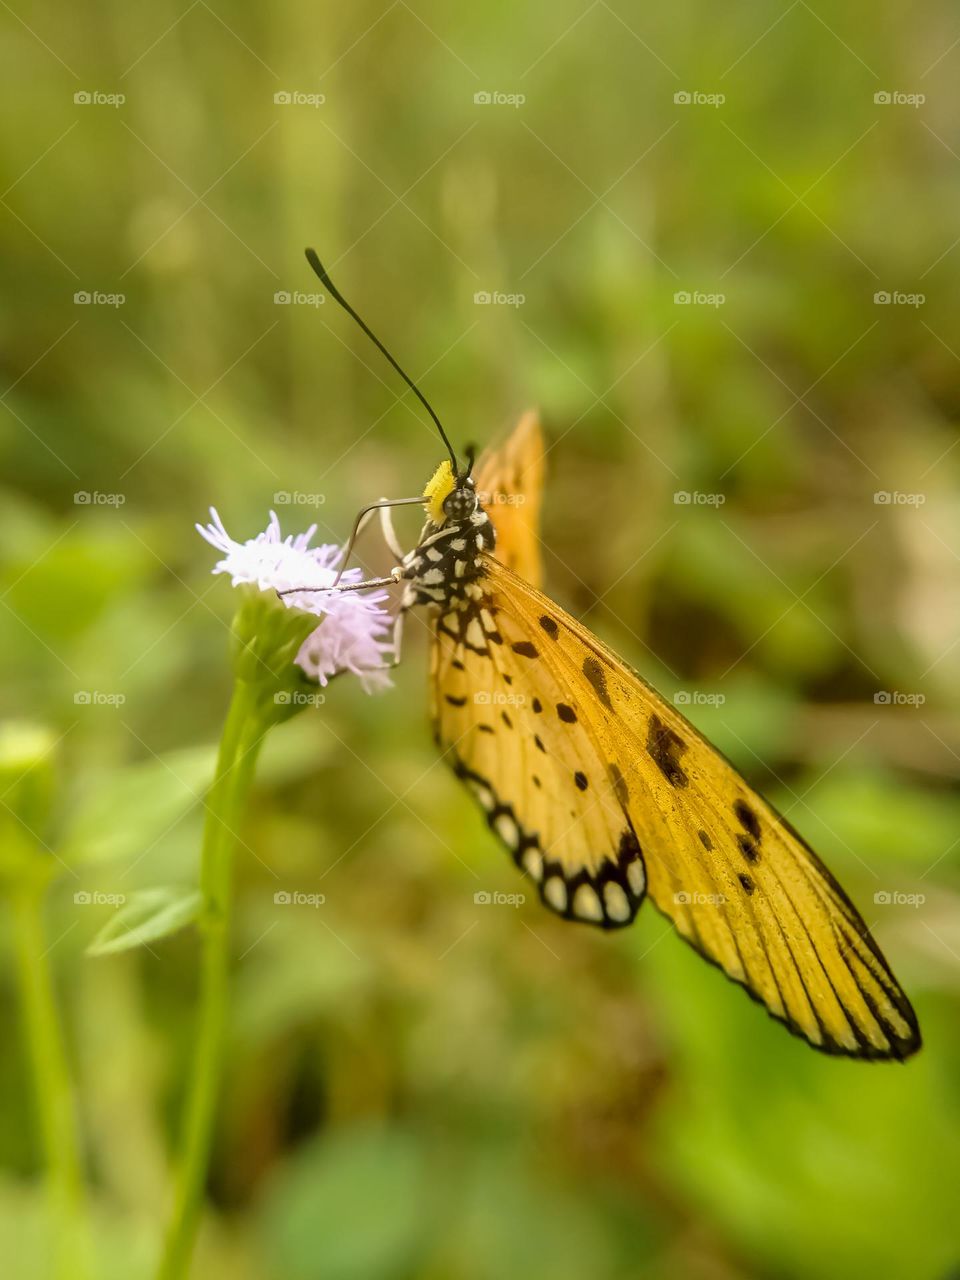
x,y
52,1083
239,747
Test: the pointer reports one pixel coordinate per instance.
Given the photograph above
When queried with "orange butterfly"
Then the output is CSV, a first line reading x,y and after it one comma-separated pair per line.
x,y
602,792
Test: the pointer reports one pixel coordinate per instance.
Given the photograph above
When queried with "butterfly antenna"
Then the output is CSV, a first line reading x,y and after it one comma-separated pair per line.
x,y
328,284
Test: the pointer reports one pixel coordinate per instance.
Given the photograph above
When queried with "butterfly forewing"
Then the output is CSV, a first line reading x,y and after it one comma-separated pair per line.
x,y
510,485
737,881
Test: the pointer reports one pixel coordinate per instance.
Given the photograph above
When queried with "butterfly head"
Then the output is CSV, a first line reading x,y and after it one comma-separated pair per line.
x,y
450,495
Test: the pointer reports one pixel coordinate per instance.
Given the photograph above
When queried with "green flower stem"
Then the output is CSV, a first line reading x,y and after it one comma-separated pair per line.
x,y
242,735
52,1082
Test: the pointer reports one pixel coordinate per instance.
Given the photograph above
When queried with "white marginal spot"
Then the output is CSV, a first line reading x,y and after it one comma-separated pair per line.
x,y
475,635
533,862
555,893
616,901
506,829
473,591
483,794
586,904
636,878
434,555
459,568
487,618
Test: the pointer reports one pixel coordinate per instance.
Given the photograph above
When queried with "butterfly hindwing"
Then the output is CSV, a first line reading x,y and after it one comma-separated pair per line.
x,y
513,738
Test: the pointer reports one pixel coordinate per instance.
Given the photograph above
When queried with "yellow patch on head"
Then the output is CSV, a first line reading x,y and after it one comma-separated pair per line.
x,y
439,487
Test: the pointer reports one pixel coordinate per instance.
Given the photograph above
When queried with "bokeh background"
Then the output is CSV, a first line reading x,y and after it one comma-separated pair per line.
x,y
420,1085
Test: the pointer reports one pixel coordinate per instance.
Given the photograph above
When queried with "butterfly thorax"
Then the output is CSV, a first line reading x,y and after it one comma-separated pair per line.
x,y
443,568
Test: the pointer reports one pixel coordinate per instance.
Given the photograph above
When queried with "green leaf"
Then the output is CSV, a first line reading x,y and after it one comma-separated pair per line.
x,y
125,813
146,916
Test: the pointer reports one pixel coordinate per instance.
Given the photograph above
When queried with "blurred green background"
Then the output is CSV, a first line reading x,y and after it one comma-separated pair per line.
x,y
419,1086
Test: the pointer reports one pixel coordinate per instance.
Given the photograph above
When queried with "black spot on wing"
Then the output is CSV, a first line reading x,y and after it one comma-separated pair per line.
x,y
539,743
746,882
619,783
747,819
537,706
566,713
580,778
665,749
526,649
506,719
748,848
455,702
549,626
595,673
705,839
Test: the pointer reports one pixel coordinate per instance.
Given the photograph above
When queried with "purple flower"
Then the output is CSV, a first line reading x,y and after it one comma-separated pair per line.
x,y
351,636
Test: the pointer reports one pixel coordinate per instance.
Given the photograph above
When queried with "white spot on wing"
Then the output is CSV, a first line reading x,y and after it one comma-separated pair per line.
x,y
475,634
533,862
616,901
506,829
586,904
555,893
636,878
482,792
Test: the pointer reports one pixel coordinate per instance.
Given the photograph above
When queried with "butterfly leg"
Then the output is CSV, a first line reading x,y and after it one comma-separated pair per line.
x,y
389,535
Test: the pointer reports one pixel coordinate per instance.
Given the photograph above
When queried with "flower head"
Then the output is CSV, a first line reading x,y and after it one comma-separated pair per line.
x,y
351,636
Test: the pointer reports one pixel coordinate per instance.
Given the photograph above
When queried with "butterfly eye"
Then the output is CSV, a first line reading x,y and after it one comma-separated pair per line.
x,y
460,504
